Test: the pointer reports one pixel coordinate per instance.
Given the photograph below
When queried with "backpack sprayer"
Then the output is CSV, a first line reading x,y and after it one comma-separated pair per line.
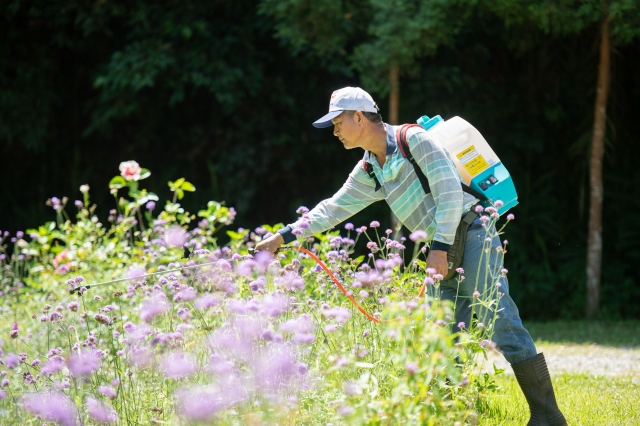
x,y
478,165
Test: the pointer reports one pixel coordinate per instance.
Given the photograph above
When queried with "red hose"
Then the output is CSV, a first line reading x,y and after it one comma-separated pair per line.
x,y
346,293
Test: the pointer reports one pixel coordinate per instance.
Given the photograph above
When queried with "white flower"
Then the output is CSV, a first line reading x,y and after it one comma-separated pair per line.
x,y
130,170
85,188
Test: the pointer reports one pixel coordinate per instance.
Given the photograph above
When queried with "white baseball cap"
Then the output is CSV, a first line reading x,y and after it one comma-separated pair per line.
x,y
346,99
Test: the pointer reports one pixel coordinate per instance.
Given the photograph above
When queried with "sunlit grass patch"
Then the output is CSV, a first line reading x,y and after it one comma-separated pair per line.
x,y
584,400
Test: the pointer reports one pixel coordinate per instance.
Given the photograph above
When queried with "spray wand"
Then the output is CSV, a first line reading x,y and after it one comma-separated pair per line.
x,y
252,252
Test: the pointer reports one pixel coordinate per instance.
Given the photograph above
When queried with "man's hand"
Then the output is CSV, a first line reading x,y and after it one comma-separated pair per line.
x,y
271,244
437,260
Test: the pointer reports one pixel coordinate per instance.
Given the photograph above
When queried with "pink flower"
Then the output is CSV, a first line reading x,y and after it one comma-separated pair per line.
x,y
418,235
510,216
329,328
83,363
53,406
157,304
175,236
100,412
176,365
130,170
375,224
136,271
52,366
107,391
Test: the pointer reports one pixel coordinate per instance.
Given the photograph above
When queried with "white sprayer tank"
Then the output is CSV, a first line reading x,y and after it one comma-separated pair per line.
x,y
478,165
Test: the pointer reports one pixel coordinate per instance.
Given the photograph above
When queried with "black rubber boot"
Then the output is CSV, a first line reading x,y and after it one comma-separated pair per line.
x,y
535,382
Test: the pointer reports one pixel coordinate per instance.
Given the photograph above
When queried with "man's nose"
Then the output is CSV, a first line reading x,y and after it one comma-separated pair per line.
x,y
335,131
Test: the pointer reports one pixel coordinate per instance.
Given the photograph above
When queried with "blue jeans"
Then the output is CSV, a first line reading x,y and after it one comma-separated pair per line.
x,y
482,265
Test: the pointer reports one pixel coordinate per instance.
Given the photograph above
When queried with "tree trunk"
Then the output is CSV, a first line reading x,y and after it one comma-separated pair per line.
x,y
394,105
594,245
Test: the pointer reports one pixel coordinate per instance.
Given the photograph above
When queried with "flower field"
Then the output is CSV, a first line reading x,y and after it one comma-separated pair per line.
x,y
197,333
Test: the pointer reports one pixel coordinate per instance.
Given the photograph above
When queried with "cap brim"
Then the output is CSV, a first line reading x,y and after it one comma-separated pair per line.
x,y
325,121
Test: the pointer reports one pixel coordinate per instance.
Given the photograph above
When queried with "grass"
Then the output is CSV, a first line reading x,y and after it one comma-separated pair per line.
x,y
585,400
614,334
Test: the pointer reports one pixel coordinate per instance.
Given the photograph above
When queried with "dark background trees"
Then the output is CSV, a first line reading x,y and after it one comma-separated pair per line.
x,y
223,93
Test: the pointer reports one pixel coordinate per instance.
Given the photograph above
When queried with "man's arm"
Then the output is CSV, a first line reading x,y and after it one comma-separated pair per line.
x,y
357,193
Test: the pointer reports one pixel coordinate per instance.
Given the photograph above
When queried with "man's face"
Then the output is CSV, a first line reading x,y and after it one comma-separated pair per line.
x,y
348,128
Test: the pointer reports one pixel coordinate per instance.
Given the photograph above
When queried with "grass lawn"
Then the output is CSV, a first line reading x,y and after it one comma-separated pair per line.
x,y
583,398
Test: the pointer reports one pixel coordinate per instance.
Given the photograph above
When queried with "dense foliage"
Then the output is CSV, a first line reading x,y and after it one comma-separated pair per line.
x,y
223,93
223,335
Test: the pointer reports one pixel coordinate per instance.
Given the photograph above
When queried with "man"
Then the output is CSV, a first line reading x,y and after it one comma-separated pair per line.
x,y
357,124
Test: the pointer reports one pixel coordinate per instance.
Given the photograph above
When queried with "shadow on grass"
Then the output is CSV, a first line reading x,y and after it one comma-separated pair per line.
x,y
616,334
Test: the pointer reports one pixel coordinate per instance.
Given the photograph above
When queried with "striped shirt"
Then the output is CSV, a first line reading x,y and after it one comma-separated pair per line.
x,y
437,213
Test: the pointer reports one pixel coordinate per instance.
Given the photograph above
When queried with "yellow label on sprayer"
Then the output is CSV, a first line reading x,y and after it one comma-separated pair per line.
x,y
472,161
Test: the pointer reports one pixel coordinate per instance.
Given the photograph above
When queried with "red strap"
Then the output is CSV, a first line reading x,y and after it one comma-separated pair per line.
x,y
401,138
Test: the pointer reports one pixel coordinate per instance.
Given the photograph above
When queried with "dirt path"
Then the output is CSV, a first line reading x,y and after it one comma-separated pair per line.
x,y
587,359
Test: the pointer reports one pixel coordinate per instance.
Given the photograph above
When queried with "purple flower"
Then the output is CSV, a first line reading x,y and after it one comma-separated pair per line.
x,y
150,205
136,271
329,328
302,210
341,315
461,324
53,406
363,294
185,295
275,368
100,412
3,395
11,361
510,216
107,391
83,363
52,366
297,231
476,294
175,236
373,246
348,226
274,305
412,367
375,224
14,333
304,337
207,301
156,305
346,410
299,325
201,403
176,365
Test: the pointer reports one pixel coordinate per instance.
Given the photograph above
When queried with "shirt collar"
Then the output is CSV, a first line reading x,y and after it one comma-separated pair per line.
x,y
392,144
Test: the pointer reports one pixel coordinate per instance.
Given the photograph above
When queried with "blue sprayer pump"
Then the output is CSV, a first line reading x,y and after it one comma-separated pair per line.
x,y
479,167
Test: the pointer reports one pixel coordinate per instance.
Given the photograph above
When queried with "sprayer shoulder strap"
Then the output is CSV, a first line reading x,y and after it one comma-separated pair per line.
x,y
401,137
369,169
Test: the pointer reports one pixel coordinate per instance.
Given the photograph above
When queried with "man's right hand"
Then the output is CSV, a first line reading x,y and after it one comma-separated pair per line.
x,y
271,244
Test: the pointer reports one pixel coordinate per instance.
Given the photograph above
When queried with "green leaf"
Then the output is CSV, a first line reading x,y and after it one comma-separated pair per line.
x,y
144,173
176,184
187,186
117,182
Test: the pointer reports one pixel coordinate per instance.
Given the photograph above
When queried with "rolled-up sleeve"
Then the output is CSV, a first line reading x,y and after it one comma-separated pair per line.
x,y
444,182
357,193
